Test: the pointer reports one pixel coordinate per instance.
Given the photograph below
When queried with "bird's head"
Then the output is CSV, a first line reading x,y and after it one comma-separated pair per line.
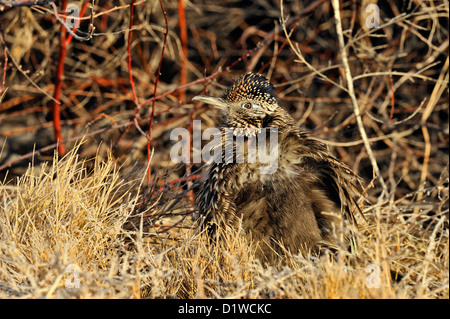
x,y
248,103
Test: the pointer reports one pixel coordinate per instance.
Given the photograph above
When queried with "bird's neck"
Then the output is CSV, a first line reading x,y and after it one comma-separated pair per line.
x,y
279,119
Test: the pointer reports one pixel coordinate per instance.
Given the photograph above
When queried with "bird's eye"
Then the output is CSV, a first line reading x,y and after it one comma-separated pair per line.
x,y
249,105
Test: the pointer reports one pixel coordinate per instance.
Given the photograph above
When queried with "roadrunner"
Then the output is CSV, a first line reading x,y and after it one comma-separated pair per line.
x,y
300,203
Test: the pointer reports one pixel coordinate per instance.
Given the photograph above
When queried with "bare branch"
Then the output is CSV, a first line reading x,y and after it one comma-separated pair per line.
x,y
351,92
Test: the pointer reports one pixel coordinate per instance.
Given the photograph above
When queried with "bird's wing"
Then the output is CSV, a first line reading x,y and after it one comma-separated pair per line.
x,y
340,183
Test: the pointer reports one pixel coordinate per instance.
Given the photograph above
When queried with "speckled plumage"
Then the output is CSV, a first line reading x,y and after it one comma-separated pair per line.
x,y
253,87
300,204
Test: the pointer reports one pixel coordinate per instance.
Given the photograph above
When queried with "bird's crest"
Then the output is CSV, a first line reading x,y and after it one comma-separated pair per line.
x,y
253,87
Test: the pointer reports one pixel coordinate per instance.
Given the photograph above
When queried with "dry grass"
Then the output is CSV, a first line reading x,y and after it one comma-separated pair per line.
x,y
64,215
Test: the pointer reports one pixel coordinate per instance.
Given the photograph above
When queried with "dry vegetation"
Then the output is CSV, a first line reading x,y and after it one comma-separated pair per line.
x,y
380,103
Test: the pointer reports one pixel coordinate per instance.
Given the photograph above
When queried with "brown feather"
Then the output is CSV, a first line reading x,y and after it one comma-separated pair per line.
x,y
301,203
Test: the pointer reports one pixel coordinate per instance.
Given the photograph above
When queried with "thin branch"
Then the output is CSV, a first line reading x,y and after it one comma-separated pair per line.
x,y
24,73
166,33
5,62
438,90
130,73
184,46
299,54
58,85
351,92
372,139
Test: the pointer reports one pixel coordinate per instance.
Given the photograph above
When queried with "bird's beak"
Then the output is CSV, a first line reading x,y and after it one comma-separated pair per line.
x,y
217,102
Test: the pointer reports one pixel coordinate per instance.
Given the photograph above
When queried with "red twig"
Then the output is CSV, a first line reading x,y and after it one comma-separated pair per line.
x,y
130,74
104,20
183,78
166,32
58,86
184,48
